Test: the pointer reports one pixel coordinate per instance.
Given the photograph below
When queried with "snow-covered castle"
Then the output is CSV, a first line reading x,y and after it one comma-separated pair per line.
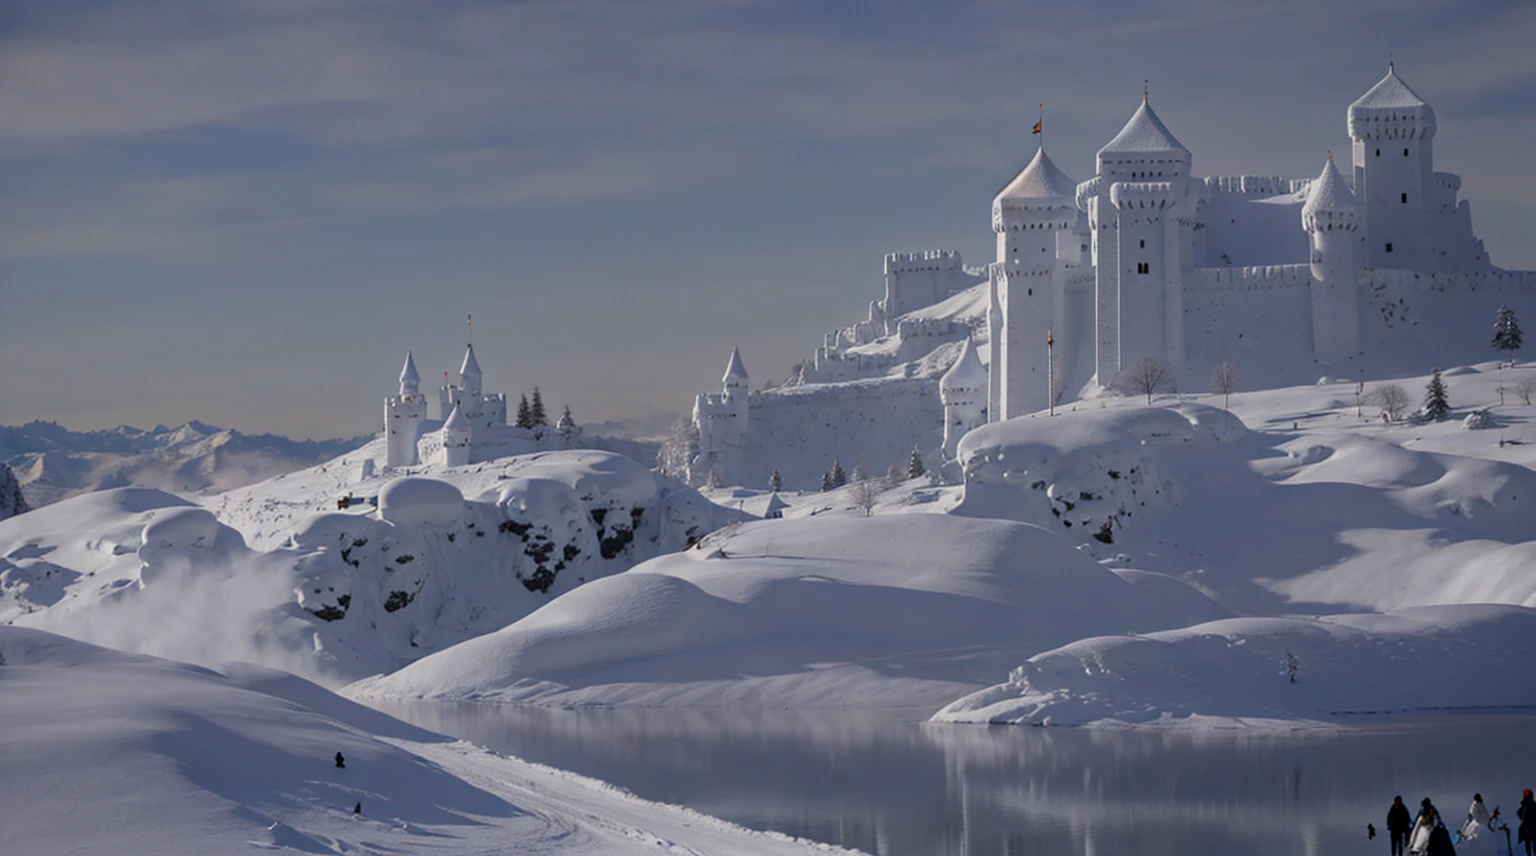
x,y
721,422
474,423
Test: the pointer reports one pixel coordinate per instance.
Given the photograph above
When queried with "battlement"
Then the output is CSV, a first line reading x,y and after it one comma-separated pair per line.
x,y
1256,185
928,260
1491,280
1085,191
1330,220
1054,216
1448,181
1391,123
1252,278
1154,195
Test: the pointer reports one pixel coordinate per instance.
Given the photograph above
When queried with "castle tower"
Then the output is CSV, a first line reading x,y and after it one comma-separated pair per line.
x,y
403,415
457,439
963,390
994,345
1028,216
1393,134
1331,217
735,399
1141,209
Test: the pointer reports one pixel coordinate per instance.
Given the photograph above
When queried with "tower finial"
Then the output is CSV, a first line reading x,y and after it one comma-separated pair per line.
x,y
1330,154
471,324
1040,126
1146,90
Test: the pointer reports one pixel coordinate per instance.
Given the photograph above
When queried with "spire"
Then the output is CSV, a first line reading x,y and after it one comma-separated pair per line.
x,y
1145,132
735,370
1040,180
471,367
1330,203
456,421
410,380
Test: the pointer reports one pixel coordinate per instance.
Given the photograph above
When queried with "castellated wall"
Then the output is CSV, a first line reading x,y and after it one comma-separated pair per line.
x,y
1257,317
800,430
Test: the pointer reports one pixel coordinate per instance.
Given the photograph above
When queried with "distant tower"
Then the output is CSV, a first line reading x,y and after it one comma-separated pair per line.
x,y
734,398
403,415
963,390
1142,214
457,439
1331,217
1393,131
469,373
1029,216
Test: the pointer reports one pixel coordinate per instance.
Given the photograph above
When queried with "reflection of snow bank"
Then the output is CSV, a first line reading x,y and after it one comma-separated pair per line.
x,y
1423,658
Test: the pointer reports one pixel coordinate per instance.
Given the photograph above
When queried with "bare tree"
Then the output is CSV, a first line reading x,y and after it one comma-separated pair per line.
x,y
866,492
1525,387
1224,380
1391,398
1146,376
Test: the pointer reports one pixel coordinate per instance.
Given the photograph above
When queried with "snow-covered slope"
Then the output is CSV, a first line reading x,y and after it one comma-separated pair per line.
x,y
811,612
1418,659
442,557
111,752
56,463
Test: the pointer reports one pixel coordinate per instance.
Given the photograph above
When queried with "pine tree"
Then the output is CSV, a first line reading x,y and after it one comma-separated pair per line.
x,y
1506,332
839,478
524,419
536,410
775,482
915,466
1437,404
826,482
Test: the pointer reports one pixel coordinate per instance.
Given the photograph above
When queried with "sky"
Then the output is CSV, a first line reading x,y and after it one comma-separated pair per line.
x,y
246,211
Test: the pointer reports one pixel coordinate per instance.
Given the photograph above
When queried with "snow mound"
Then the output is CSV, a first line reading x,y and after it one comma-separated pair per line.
x,y
1417,659
420,502
897,609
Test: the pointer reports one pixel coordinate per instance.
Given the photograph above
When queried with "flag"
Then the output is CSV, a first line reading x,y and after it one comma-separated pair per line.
x,y
1037,128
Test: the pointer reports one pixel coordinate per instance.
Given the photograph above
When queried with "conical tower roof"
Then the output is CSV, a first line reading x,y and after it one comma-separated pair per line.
x,y
1389,93
409,375
966,374
1040,180
1143,133
734,370
776,506
471,367
1330,203
456,420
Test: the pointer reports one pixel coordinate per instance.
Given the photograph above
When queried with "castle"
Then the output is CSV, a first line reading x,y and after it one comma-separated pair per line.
x,y
1290,279
474,423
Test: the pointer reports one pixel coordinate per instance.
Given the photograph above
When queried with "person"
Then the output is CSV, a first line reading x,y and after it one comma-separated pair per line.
x,y
1477,817
1440,842
1423,825
1527,815
341,761
1398,824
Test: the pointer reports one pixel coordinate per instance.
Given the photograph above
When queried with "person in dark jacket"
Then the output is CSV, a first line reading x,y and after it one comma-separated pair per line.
x,y
1527,815
1398,824
1440,842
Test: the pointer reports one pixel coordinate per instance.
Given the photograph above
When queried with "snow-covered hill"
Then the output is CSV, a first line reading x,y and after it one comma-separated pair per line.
x,y
276,573
112,752
55,463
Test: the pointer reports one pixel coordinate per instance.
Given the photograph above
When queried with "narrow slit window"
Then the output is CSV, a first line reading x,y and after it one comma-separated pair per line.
x,y
1405,199
1389,246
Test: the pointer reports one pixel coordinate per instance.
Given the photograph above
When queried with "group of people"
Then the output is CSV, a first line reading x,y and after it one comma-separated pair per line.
x,y
1426,834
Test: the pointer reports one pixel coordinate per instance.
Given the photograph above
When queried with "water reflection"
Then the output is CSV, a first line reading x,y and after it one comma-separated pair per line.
x,y
889,785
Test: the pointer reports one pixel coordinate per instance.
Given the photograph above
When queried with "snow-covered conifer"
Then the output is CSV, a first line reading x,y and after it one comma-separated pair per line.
x,y
826,482
536,410
915,466
523,420
1437,404
775,482
1506,332
839,477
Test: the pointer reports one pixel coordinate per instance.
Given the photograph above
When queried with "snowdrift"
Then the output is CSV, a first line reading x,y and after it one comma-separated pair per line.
x,y
1418,659
418,563
113,752
812,612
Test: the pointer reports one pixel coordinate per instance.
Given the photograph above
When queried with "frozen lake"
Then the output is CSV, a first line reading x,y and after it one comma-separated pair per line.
x,y
893,786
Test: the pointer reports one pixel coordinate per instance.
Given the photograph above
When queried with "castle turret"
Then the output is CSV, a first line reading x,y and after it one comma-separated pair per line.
x,y
1331,217
735,400
469,373
403,415
963,390
1393,134
457,439
1140,208
1029,215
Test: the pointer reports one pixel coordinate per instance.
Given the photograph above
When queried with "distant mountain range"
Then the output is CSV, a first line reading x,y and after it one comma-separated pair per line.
x,y
53,463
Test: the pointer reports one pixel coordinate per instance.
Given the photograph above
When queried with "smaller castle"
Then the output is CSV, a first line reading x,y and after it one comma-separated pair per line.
x,y
721,421
473,422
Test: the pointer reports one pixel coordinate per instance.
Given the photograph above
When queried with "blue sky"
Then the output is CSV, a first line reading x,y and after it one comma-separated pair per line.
x,y
245,211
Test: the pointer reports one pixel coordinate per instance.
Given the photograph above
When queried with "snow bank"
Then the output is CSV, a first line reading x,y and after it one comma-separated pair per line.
x,y
1418,659
889,610
112,752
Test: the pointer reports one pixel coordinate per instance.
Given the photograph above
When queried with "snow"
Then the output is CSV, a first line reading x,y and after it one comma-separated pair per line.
x,y
1329,193
826,611
1389,93
967,373
421,502
735,369
1145,132
1041,179
1418,659
112,752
